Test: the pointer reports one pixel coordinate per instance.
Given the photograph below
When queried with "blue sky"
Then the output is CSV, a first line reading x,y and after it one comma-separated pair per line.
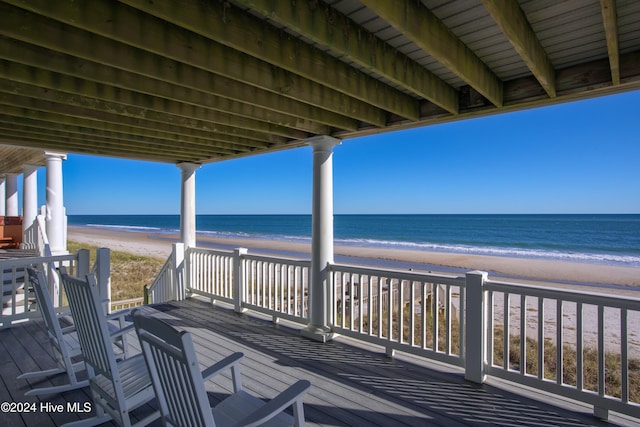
x,y
579,157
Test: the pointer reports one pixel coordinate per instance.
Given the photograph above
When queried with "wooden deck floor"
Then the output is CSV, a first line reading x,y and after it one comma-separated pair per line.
x,y
352,385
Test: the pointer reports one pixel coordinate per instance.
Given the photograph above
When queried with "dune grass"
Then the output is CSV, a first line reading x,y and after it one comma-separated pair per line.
x,y
129,272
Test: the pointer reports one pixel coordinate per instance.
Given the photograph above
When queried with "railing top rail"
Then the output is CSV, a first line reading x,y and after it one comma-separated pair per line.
x,y
42,226
278,260
22,262
401,274
223,252
584,297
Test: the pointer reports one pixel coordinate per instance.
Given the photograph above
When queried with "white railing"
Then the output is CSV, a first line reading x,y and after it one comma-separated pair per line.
x,y
162,288
169,284
400,310
273,286
210,273
456,320
568,343
18,300
276,286
35,237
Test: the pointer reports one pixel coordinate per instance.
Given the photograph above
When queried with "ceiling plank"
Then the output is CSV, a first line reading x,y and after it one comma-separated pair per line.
x,y
168,79
33,98
35,107
94,148
226,24
12,125
39,119
421,26
322,24
114,21
12,159
610,21
87,94
514,24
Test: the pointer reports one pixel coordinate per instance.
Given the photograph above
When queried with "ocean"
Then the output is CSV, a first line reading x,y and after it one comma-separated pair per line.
x,y
605,239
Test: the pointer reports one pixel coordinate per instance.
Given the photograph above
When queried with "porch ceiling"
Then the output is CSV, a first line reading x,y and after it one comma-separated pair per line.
x,y
208,80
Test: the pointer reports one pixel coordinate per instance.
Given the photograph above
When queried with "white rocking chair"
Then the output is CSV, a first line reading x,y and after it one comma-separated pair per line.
x,y
180,391
64,347
117,387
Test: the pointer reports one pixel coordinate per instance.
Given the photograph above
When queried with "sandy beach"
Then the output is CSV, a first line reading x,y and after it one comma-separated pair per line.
x,y
617,279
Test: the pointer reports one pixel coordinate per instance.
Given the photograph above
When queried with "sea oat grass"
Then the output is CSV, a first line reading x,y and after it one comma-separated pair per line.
x,y
612,363
129,272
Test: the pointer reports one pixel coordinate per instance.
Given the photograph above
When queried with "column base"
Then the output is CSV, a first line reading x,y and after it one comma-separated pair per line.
x,y
317,333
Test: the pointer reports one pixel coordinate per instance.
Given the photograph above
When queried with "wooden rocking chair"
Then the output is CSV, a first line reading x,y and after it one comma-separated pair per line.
x,y
118,387
180,391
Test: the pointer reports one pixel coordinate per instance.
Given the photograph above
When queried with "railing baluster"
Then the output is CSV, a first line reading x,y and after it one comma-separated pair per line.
x,y
601,355
559,346
390,312
523,334
447,313
370,304
540,338
624,355
579,347
506,314
423,319
489,332
381,304
412,314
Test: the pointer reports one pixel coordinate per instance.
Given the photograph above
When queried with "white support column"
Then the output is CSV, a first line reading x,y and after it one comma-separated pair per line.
x,y
321,238
3,196
29,196
55,203
188,204
12,194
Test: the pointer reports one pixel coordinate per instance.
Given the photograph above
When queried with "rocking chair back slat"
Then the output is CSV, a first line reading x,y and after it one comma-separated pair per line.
x,y
117,386
63,346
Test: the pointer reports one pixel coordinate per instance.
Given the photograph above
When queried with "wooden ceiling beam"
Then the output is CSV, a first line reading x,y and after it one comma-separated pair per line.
x,y
328,27
94,148
610,22
421,26
119,141
35,107
515,26
142,144
228,25
147,73
88,94
164,51
39,119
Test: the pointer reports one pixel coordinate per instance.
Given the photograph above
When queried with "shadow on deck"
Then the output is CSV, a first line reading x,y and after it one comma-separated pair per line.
x,y
352,384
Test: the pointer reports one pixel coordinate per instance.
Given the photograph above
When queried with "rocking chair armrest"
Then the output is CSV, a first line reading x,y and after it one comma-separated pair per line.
x,y
228,362
276,405
121,332
119,315
68,329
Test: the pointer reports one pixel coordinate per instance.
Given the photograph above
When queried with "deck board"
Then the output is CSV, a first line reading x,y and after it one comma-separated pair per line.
x,y
351,384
